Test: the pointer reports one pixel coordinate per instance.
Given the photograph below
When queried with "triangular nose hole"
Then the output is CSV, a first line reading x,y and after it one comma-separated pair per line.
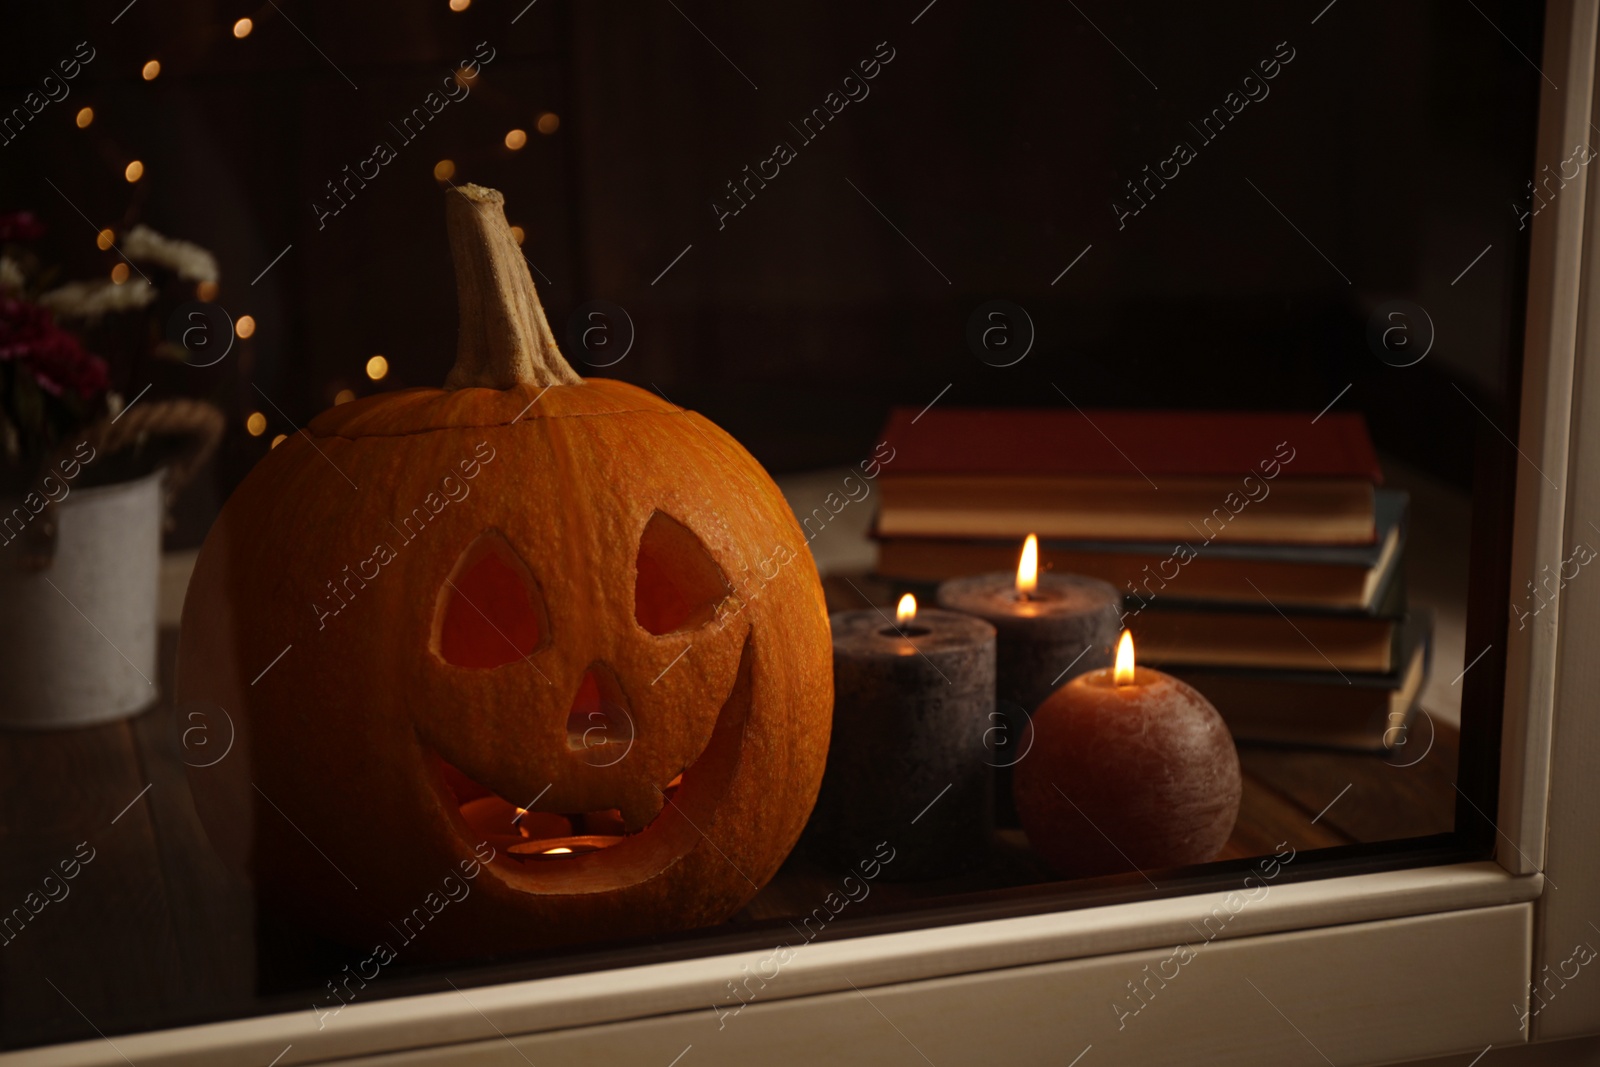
x,y
599,726
490,611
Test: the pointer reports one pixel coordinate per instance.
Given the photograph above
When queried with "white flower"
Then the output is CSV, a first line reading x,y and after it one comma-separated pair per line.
x,y
90,300
10,274
192,262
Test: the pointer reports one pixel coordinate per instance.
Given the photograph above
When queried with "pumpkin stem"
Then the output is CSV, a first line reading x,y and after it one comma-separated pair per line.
x,y
504,339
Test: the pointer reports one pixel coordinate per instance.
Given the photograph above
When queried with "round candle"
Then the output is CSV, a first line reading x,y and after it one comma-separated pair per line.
x,y
1050,627
907,763
1130,769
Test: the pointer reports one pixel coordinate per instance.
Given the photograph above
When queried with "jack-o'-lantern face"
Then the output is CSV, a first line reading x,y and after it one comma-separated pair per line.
x,y
592,740
547,661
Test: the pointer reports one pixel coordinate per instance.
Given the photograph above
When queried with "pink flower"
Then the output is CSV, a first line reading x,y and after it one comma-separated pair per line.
x,y
54,357
20,226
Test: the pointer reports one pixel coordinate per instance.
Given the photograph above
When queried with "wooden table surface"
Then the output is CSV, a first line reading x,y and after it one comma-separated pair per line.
x,y
153,931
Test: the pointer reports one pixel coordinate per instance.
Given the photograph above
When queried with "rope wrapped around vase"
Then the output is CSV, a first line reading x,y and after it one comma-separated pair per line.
x,y
199,424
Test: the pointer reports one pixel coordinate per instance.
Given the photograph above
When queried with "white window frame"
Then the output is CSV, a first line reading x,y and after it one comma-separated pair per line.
x,y
1371,968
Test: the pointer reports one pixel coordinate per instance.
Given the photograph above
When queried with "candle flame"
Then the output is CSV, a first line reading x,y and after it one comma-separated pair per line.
x,y
559,850
1028,566
1122,673
906,610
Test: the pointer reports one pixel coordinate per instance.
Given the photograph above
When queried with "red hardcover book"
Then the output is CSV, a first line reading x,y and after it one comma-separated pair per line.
x,y
1182,444
1269,477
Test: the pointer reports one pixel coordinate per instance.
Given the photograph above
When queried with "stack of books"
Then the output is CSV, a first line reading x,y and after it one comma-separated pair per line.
x,y
1259,556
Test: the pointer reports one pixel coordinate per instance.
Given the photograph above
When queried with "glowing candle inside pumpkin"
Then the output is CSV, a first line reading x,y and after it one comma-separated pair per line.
x,y
1130,755
563,847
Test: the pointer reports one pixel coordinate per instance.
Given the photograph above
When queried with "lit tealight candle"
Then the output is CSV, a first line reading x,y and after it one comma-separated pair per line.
x,y
1130,769
907,762
1050,627
504,824
556,848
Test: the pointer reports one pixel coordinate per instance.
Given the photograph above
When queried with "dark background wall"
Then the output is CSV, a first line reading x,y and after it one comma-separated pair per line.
x,y
1389,153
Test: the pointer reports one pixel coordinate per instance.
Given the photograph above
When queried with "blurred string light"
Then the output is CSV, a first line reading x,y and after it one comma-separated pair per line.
x,y
377,367
460,5
134,171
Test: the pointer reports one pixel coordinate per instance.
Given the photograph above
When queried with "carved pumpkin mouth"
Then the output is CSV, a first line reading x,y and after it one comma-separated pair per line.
x,y
541,850
532,833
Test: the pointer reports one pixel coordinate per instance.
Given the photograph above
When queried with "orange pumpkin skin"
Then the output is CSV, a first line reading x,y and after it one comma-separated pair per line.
x,y
332,794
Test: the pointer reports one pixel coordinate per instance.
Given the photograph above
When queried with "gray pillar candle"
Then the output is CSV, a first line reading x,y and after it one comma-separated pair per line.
x,y
907,763
1066,625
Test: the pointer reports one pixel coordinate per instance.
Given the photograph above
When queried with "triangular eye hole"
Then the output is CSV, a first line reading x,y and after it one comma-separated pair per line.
x,y
679,585
490,611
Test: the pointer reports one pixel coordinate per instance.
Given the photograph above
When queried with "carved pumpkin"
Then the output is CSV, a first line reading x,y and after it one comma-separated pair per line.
x,y
526,661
